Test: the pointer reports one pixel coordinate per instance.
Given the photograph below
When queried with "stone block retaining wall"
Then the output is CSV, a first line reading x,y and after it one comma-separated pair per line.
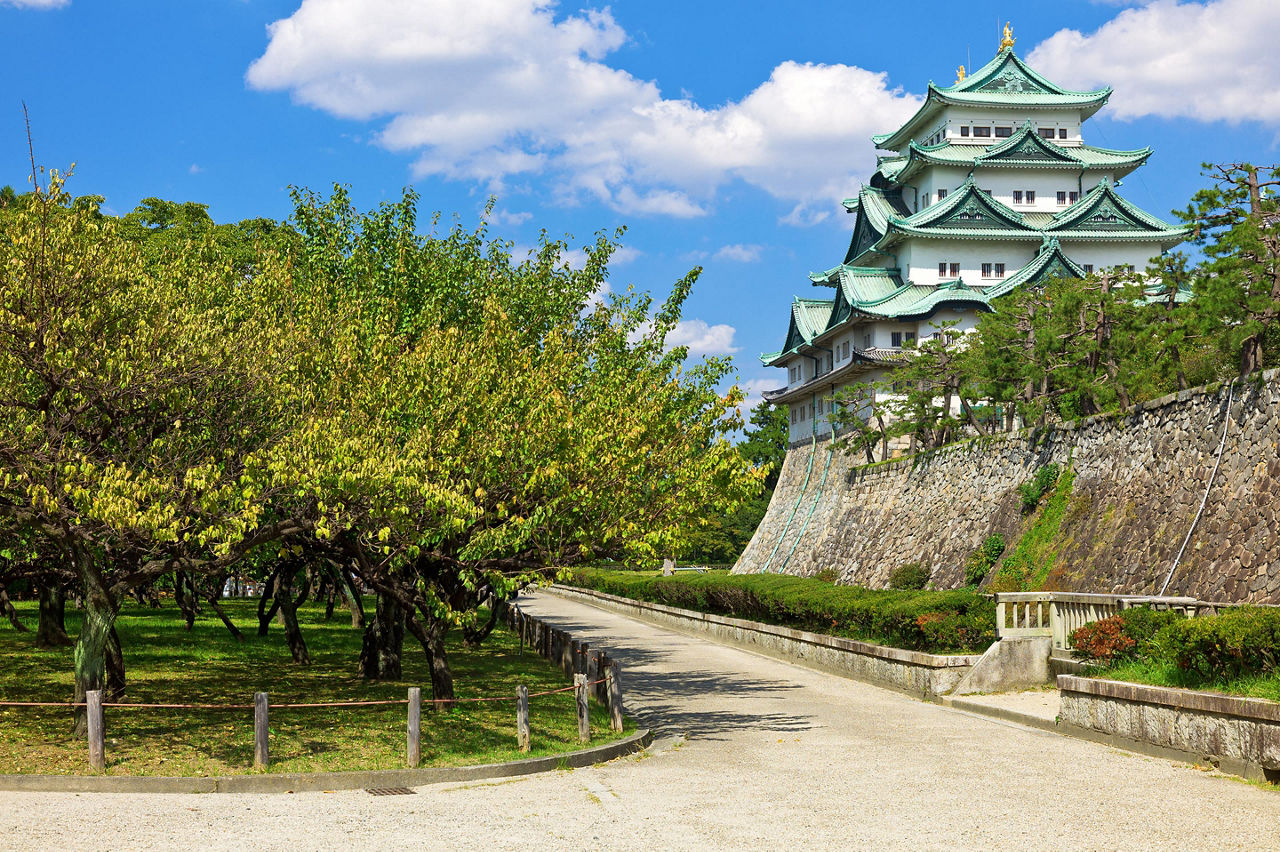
x,y
1140,477
1241,735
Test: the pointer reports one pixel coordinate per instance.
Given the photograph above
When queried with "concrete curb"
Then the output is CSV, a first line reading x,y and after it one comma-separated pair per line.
x,y
1002,713
305,782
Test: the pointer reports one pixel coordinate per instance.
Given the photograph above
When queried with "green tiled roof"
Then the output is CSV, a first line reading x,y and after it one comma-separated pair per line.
x,y
971,214
1051,262
878,292
1103,210
809,318
1025,149
1005,82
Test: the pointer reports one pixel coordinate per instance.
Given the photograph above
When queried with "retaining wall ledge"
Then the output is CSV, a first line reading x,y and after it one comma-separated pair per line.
x,y
1238,735
915,672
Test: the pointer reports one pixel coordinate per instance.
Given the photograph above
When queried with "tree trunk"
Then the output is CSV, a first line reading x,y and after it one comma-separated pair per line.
x,y
99,663
383,643
217,608
1250,354
52,632
268,594
10,613
184,596
432,641
352,596
289,615
472,638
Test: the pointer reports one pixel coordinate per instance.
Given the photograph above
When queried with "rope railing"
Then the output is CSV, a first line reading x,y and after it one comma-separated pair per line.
x,y
593,671
131,705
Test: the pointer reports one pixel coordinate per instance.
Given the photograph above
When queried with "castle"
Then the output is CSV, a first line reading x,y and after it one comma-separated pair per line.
x,y
987,188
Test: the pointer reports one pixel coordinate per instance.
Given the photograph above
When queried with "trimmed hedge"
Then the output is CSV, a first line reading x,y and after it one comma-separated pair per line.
x,y
1240,642
936,622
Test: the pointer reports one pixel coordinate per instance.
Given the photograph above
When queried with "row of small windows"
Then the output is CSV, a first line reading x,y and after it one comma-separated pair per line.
x,y
1004,132
952,270
1020,196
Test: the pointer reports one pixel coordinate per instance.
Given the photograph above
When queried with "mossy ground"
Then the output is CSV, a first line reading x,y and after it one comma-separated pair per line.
x,y
166,664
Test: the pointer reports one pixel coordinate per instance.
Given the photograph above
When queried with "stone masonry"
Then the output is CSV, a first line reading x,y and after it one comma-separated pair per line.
x,y
1140,477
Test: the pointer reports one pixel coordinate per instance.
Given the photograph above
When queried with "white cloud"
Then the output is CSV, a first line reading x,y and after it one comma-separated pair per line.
x,y
195,169
1207,61
624,255
703,339
485,89
507,217
754,389
36,4
739,253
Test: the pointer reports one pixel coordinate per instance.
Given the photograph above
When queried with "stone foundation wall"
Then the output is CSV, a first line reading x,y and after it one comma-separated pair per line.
x,y
1242,735
1140,477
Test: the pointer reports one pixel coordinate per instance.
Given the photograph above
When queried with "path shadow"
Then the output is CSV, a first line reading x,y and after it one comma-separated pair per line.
x,y
690,701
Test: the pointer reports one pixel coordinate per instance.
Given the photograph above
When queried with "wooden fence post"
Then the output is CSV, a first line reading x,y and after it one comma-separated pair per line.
x,y
601,689
522,717
259,730
613,681
414,756
584,709
97,732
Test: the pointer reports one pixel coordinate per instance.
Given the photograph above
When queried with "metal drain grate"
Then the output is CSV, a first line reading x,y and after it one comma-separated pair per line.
x,y
389,791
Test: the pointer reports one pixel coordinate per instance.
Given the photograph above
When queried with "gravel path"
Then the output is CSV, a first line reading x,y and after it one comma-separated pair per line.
x,y
776,757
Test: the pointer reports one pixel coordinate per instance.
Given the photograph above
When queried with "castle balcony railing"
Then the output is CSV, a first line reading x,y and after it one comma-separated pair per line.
x,y
1059,614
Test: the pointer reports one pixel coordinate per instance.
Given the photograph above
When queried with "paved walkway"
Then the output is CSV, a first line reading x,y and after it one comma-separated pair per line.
x,y
776,757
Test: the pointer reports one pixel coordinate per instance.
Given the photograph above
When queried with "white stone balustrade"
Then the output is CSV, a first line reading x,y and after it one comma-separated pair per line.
x,y
1022,614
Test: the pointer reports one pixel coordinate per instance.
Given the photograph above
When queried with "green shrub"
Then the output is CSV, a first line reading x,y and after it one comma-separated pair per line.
x,y
1033,489
913,575
1239,642
934,621
982,560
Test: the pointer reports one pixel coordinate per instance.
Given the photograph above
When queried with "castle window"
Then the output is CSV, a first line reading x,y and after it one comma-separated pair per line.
x,y
1031,196
955,270
1017,196
942,193
895,338
982,131
793,416
964,131
1004,132
1062,198
986,270
999,270
1073,197
909,337
1088,269
1062,133
1047,132
866,341
846,349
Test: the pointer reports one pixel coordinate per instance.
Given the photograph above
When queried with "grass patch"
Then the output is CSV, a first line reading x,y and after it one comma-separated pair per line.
x,y
1028,565
166,664
1168,674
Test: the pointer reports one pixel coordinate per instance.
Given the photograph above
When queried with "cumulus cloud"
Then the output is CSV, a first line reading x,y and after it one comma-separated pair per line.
x,y
1206,61
739,253
703,339
754,389
484,90
508,217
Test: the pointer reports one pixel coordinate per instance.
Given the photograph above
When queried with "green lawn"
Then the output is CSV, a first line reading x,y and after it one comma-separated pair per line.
x,y
166,664
1167,674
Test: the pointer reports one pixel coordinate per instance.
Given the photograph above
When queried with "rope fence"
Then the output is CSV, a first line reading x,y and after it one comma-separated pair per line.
x,y
594,674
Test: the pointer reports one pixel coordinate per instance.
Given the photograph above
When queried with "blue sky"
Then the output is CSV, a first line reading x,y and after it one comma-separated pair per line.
x,y
723,134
